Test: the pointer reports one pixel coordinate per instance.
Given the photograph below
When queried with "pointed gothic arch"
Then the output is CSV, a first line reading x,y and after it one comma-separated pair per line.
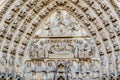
x,y
19,20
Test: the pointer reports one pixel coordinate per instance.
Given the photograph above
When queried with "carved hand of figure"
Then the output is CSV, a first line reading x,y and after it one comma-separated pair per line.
x,y
48,28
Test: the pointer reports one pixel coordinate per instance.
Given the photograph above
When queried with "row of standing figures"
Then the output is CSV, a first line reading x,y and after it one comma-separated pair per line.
x,y
78,50
71,71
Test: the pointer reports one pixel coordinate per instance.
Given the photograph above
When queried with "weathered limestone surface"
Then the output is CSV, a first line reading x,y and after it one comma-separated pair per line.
x,y
60,40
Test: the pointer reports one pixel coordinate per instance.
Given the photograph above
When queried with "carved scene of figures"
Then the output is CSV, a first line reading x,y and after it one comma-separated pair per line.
x,y
61,23
79,48
68,70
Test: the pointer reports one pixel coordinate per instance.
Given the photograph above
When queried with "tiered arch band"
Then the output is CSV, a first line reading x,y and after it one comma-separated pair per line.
x,y
33,31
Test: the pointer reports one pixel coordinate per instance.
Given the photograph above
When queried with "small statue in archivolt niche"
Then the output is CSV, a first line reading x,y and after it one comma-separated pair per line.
x,y
2,62
118,63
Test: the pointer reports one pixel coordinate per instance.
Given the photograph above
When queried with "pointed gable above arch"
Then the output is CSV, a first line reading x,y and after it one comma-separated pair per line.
x,y
61,24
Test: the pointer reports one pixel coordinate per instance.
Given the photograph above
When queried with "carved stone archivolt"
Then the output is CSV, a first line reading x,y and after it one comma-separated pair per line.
x,y
59,39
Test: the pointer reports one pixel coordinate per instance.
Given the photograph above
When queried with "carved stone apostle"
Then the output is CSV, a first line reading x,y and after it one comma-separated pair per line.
x,y
47,50
28,73
94,69
57,30
40,51
111,65
80,49
71,29
87,50
2,30
74,71
41,70
104,66
86,74
46,31
118,63
83,68
51,68
11,64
